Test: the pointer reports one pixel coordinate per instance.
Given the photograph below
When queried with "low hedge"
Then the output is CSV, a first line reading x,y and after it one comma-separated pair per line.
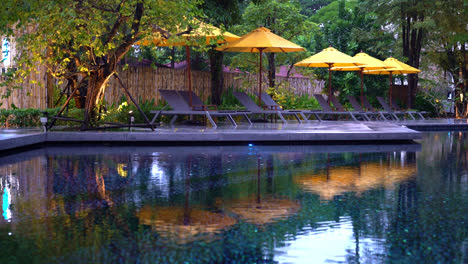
x,y
29,117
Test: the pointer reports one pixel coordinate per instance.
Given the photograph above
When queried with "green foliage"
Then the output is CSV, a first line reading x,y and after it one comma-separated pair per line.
x,y
228,100
310,7
350,28
426,102
289,100
20,117
283,18
121,113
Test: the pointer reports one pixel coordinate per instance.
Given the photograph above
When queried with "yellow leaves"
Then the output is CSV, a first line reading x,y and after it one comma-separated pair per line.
x,y
83,69
121,106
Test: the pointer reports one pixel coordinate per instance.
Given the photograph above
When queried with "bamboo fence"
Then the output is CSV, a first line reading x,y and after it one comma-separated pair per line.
x,y
144,83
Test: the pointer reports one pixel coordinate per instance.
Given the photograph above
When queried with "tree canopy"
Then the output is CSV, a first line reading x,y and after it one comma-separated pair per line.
x,y
87,38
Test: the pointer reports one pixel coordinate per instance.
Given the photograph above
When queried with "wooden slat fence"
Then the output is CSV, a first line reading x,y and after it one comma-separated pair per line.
x,y
144,83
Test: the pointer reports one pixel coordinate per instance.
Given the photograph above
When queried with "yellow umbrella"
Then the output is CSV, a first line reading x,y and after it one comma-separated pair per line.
x,y
395,67
369,63
204,30
329,57
261,40
207,31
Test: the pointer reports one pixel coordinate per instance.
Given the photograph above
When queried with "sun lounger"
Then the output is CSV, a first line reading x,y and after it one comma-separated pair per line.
x,y
387,108
357,107
418,113
181,107
369,107
197,103
270,104
339,107
254,109
327,110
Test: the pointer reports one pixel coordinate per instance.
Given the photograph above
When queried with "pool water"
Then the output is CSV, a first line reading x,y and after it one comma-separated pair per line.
x,y
402,203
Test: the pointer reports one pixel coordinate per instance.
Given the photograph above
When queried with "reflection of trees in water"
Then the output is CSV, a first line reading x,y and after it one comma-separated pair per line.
x,y
429,223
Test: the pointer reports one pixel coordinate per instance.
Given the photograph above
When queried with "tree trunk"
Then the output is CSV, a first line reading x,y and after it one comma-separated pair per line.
x,y
96,87
271,69
464,81
412,89
216,67
412,44
460,78
172,57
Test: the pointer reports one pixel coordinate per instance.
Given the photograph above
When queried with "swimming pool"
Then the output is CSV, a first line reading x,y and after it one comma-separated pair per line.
x,y
237,204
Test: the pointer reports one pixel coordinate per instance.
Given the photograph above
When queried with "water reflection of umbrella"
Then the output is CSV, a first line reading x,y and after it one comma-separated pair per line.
x,y
368,63
261,40
210,33
182,223
395,67
263,210
367,176
329,57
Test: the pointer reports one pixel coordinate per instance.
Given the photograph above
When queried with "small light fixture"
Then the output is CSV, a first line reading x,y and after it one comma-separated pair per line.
x,y
44,120
131,119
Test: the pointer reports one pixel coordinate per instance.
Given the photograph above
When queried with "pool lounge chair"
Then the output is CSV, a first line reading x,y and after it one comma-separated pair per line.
x,y
197,103
339,107
327,110
253,109
418,113
369,107
369,114
270,104
181,107
387,108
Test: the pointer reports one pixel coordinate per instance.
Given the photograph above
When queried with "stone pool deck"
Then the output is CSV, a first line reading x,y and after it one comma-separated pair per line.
x,y
314,132
336,132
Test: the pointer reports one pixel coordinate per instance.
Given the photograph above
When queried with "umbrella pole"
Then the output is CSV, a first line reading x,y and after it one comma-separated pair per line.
x,y
189,73
260,79
390,90
329,83
362,89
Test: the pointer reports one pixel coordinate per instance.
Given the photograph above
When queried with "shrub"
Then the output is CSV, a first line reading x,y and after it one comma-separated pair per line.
x,y
288,100
20,117
424,101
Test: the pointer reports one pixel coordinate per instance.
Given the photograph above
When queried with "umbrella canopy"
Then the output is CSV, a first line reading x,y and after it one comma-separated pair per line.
x,y
369,63
395,67
261,40
329,57
184,223
209,32
203,30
